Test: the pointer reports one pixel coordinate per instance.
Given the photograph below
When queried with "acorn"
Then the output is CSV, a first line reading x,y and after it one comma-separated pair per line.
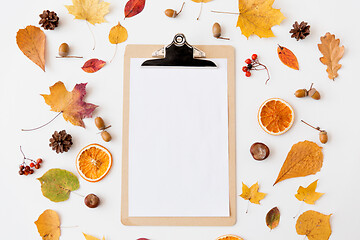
x,y
216,29
172,13
106,136
99,122
64,50
313,93
301,93
323,136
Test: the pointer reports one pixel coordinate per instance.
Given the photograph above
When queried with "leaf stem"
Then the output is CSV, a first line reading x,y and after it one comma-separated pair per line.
x,y
247,208
201,6
78,194
32,129
92,34
225,12
70,226
22,153
316,128
181,8
224,38
298,210
114,53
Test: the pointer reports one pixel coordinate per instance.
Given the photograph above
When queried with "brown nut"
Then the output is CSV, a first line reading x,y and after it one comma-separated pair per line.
x,y
259,151
64,50
314,94
216,29
323,137
301,93
92,201
106,136
99,122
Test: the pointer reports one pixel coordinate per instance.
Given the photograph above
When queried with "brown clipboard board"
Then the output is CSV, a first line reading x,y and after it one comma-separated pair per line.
x,y
212,51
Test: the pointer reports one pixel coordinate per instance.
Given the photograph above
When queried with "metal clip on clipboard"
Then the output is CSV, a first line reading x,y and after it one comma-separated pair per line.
x,y
179,54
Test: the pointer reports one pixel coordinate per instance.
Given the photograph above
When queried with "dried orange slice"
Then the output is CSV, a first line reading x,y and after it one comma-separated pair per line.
x,y
276,116
93,162
229,237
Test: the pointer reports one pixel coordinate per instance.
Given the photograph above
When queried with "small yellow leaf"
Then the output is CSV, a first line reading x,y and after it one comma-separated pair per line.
x,y
200,1
308,194
315,225
48,225
89,237
118,34
92,11
252,193
257,17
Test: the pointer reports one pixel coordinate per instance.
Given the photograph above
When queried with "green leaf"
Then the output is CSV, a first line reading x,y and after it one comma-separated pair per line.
x,y
56,184
273,218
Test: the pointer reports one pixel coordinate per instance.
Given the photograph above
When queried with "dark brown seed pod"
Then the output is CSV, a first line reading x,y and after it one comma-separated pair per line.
x,y
92,201
172,13
301,93
323,137
313,93
259,151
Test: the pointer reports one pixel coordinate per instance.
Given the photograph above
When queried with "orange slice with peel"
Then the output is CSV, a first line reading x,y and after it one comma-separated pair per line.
x,y
93,162
229,237
276,116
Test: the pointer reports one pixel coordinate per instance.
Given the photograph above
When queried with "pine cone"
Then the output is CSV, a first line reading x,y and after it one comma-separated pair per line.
x,y
300,31
60,141
49,20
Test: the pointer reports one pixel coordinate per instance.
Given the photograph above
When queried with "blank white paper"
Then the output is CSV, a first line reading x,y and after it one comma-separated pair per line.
x,y
178,141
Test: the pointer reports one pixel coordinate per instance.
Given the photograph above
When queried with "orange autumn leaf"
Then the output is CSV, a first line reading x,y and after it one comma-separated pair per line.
x,y
308,194
314,225
304,158
48,225
288,58
31,42
330,48
70,104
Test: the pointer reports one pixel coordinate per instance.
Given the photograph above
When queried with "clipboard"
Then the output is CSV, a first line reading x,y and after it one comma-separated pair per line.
x,y
178,54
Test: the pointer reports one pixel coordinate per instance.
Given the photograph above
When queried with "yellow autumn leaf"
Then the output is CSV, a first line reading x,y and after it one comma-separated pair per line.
x,y
92,11
315,225
308,194
89,237
118,34
48,225
257,17
252,194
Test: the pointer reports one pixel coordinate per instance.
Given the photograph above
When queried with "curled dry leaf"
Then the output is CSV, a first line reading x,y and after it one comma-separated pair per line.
x,y
273,218
257,17
287,57
31,42
71,104
330,48
133,7
92,11
56,184
252,194
93,65
304,158
315,225
48,225
89,237
308,194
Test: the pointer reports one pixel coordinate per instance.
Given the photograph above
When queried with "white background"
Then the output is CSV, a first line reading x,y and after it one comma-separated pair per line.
x,y
22,107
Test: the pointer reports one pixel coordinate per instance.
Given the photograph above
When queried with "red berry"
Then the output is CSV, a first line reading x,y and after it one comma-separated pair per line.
x,y
21,172
31,171
244,68
26,173
248,74
21,167
27,168
254,57
248,61
32,165
39,160
37,166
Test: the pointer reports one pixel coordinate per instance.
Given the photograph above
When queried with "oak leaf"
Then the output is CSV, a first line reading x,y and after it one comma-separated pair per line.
x,y
273,218
287,57
56,184
330,48
89,237
315,225
31,42
308,194
252,194
71,104
93,65
304,158
257,17
133,7
92,11
48,225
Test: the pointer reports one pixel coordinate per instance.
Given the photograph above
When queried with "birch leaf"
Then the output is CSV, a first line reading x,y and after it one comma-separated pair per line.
x,y
48,225
315,225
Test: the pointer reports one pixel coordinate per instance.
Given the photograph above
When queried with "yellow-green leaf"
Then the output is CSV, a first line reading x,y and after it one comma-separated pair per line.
x,y
273,218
